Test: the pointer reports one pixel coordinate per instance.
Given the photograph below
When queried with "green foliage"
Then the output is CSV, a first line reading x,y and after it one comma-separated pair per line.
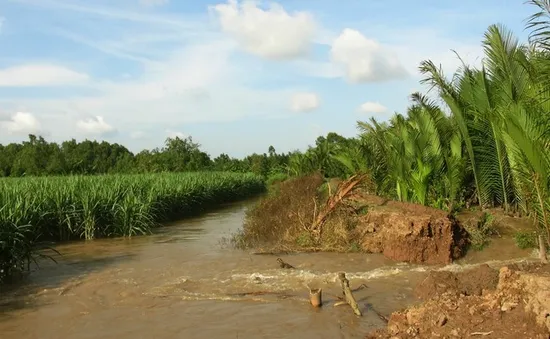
x,y
480,230
526,239
276,178
88,207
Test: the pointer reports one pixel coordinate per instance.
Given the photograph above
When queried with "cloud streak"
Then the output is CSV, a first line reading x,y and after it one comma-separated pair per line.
x,y
40,75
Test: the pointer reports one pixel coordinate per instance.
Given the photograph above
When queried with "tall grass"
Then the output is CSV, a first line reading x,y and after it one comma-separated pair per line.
x,y
88,207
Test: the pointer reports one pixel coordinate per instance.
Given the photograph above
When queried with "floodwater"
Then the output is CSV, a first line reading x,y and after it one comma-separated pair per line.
x,y
182,282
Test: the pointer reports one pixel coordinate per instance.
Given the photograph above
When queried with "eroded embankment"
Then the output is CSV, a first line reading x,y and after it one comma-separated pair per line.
x,y
513,302
288,220
410,232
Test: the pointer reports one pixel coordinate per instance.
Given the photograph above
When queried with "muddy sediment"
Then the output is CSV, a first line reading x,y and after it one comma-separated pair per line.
x,y
469,305
470,282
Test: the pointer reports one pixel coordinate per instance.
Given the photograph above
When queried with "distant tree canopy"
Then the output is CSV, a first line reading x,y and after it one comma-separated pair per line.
x,y
38,157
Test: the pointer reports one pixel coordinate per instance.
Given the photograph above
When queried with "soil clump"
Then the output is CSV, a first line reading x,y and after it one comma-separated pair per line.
x,y
470,305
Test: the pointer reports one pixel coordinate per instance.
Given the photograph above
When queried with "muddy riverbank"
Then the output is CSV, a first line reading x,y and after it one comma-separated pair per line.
x,y
182,282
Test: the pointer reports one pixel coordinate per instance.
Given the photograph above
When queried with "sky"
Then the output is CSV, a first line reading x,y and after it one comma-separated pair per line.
x,y
236,76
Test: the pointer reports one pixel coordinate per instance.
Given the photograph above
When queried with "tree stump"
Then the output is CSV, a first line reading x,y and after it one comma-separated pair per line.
x,y
316,297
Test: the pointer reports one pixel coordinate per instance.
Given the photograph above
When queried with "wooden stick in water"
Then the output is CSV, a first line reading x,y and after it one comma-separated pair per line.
x,y
344,282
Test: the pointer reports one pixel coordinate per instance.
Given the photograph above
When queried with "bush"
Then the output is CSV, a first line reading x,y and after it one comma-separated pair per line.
x,y
526,239
480,230
276,178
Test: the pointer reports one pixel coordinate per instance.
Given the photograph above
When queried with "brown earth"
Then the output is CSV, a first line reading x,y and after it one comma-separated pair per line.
x,y
410,232
471,282
469,305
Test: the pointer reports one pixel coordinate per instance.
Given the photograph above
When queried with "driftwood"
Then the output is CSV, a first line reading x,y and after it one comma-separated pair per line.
x,y
542,250
344,282
283,264
334,199
381,316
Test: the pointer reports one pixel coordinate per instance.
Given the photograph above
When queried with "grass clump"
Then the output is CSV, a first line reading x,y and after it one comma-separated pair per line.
x,y
88,207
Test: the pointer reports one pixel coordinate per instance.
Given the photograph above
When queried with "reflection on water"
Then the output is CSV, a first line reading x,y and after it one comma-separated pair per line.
x,y
179,283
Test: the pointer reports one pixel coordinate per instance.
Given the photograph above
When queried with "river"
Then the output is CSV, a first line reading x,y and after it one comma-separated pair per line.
x,y
182,282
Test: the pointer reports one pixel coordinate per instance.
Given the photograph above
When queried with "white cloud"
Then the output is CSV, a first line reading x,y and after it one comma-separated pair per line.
x,y
152,3
304,102
22,123
363,59
273,33
175,134
95,126
39,75
372,107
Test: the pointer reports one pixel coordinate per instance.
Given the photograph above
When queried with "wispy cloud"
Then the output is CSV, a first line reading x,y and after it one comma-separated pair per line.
x,y
40,75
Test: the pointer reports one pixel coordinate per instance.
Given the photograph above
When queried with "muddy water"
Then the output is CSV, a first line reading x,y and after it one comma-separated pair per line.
x,y
183,283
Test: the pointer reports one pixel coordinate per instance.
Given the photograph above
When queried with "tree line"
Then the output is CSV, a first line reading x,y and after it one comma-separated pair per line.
x,y
38,157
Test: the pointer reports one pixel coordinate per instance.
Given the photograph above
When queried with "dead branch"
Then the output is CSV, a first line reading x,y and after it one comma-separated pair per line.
x,y
362,286
381,316
343,189
344,282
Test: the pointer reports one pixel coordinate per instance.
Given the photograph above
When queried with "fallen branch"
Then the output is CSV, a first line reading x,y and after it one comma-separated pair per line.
x,y
381,316
344,282
362,286
344,189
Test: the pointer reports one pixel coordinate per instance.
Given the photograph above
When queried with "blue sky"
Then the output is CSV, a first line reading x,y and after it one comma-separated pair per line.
x,y
236,76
